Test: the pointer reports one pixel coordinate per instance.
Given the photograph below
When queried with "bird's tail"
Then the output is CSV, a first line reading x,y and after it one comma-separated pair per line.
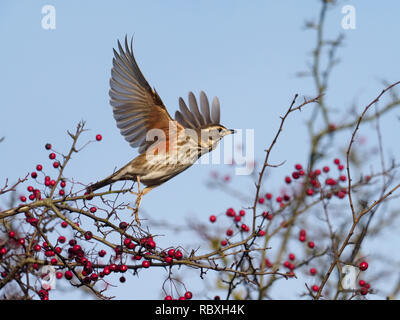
x,y
116,176
100,184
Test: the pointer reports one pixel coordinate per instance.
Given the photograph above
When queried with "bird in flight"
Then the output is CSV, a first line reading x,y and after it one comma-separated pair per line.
x,y
167,146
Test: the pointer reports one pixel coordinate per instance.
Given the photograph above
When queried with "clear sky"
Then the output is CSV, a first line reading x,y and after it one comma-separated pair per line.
x,y
246,53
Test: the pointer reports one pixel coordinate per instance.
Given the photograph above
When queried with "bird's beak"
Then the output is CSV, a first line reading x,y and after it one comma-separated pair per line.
x,y
231,131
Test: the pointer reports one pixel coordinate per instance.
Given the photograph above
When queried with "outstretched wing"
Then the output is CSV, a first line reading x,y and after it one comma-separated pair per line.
x,y
136,106
192,117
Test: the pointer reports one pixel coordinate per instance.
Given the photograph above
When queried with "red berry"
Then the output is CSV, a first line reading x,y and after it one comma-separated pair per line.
x,y
93,209
295,175
224,243
261,233
11,234
331,182
229,232
89,197
336,161
364,291
102,253
261,200
230,212
52,156
343,178
168,259
123,268
131,246
178,255
64,224
145,264
3,251
61,239
302,238
39,167
88,235
341,194
242,213
99,137
61,193
315,288
340,167
168,298
325,169
56,164
298,166
34,175
310,192
213,218
106,270
363,266
287,179
94,277
68,275
268,196
292,256
151,244
171,253
123,225
362,283
188,295
59,275
311,244
48,146
21,241
63,184
313,271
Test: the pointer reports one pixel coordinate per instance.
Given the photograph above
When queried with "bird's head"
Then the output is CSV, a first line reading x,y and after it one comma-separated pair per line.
x,y
212,134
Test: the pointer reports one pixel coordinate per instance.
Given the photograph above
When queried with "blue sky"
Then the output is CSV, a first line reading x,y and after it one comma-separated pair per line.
x,y
246,53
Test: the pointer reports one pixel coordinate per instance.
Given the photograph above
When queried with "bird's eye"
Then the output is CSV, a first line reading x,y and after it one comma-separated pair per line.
x,y
219,130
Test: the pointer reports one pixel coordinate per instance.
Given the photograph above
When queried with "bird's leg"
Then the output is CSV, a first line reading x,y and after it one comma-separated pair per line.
x,y
140,194
137,202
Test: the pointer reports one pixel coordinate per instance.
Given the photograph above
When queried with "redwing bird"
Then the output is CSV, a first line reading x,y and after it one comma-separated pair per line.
x,y
167,146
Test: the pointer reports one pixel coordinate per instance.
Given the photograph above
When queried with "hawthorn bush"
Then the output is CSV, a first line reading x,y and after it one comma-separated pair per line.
x,y
312,227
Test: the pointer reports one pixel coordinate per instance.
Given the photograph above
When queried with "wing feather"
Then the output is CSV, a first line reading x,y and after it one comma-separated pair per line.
x,y
137,108
193,118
